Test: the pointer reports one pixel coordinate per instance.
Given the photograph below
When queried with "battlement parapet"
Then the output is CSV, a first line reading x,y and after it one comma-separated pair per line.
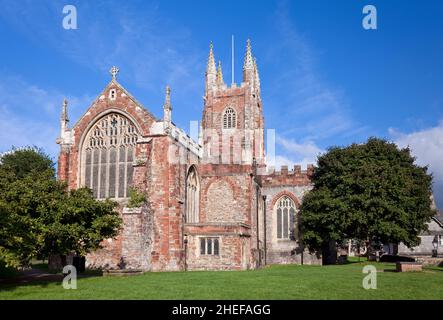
x,y
298,177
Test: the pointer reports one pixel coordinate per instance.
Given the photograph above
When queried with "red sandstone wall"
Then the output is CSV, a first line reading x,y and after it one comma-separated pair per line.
x,y
153,237
249,116
234,247
111,256
101,106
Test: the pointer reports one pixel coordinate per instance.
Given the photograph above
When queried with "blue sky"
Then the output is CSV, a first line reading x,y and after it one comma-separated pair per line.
x,y
325,80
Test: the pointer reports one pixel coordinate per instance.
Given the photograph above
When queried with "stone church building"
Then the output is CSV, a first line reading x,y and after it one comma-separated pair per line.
x,y
210,204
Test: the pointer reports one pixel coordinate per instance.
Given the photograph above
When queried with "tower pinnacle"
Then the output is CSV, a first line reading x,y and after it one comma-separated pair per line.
x,y
219,74
256,77
211,72
248,65
210,69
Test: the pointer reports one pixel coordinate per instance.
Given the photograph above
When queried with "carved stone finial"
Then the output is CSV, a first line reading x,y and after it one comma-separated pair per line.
x,y
168,98
167,111
64,115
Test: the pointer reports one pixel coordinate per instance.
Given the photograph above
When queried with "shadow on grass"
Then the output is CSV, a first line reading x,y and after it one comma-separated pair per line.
x,y
354,260
40,276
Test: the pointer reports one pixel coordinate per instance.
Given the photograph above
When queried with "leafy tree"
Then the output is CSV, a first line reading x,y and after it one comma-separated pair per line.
x,y
27,183
39,216
368,192
79,223
23,161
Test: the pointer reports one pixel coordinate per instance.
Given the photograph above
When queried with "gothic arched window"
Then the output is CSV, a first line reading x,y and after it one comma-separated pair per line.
x,y
108,155
286,218
229,119
192,196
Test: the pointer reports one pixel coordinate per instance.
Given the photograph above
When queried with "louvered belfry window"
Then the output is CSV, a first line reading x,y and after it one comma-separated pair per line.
x,y
229,119
109,150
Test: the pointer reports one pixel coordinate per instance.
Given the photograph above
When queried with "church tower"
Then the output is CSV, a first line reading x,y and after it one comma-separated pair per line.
x,y
232,123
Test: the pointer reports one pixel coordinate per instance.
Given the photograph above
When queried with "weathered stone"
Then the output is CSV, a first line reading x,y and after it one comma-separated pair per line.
x,y
233,226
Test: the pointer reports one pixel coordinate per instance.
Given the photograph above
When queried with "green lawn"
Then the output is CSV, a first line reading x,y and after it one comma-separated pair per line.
x,y
275,282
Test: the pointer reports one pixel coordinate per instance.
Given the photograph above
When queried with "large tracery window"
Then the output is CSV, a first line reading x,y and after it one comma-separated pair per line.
x,y
192,197
286,218
108,153
229,119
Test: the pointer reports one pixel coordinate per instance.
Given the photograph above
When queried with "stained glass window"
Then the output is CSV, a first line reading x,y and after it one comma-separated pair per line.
x,y
286,218
108,155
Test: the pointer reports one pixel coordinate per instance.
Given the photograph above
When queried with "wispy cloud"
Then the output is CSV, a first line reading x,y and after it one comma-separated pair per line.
x,y
320,110
293,152
150,49
29,114
427,147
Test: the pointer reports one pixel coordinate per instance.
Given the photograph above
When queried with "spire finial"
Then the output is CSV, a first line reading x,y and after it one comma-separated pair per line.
x,y
114,70
64,115
248,64
219,74
167,104
211,60
211,72
167,110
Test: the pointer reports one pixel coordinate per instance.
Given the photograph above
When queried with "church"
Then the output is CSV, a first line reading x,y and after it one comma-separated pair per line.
x,y
211,204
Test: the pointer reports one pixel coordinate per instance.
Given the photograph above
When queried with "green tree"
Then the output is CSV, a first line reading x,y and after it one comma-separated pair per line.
x,y
78,223
368,192
21,162
39,215
27,185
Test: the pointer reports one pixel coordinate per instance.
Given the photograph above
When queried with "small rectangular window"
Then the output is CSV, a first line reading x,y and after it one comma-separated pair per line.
x,y
209,246
202,246
216,249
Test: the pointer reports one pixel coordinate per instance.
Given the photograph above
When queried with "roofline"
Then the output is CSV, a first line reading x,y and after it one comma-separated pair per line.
x,y
114,81
440,223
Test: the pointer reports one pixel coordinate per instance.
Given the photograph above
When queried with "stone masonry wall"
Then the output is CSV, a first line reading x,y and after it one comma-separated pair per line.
x,y
137,239
225,196
293,184
234,247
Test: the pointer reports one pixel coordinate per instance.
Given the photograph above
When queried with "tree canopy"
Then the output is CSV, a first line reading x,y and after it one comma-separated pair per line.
x,y
39,215
369,192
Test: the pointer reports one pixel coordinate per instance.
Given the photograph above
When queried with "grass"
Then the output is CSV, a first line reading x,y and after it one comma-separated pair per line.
x,y
274,282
